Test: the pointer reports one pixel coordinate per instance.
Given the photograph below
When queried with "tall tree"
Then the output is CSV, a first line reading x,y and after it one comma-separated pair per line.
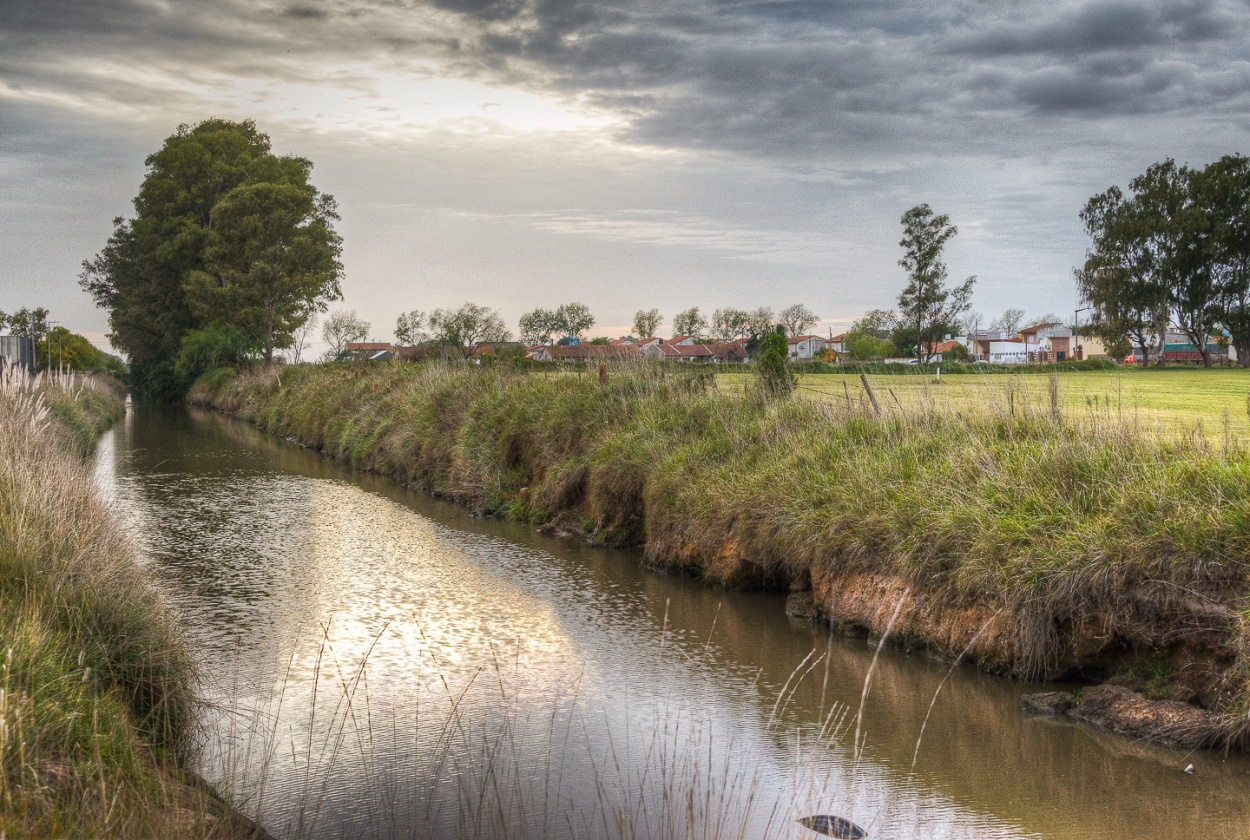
x,y
879,323
573,319
647,322
538,326
760,323
1151,258
926,305
467,326
1009,322
730,324
340,328
1228,190
1127,296
689,322
408,328
797,319
272,260
29,323
299,338
1173,227
141,274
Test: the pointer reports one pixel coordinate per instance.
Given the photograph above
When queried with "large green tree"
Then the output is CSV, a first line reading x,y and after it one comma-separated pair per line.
x,y
1153,257
1227,187
926,305
646,322
271,261
190,222
467,326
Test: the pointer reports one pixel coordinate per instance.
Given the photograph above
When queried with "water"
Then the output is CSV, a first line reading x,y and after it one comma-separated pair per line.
x,y
378,663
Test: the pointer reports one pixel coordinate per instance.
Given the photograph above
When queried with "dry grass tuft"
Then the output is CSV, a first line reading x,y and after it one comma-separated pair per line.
x,y
96,686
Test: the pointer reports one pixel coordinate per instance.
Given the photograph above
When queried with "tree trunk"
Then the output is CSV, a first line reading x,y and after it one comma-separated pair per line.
x,y
269,339
1242,346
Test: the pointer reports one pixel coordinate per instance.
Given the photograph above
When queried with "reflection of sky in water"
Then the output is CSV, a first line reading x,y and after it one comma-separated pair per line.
x,y
592,687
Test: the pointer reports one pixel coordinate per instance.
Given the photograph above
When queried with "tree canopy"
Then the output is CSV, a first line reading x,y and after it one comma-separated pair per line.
x,y
1174,252
689,322
224,232
469,325
647,322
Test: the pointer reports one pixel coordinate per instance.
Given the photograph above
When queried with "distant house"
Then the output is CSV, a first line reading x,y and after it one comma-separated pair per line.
x,y
678,352
495,348
805,347
1051,342
996,346
944,347
681,340
837,343
369,351
583,353
733,352
426,352
1006,352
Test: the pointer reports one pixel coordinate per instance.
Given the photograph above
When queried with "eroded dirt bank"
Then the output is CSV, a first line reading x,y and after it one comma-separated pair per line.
x,y
1022,543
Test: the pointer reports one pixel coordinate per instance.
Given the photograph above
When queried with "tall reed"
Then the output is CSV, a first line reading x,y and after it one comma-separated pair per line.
x,y
96,684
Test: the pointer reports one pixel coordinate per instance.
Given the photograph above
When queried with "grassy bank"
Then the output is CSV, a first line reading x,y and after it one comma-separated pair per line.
x,y
1038,538
95,684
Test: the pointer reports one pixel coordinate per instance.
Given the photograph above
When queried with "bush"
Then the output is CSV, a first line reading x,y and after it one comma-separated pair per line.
x,y
772,365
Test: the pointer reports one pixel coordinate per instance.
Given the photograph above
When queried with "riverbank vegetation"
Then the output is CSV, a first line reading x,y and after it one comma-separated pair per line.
x,y
95,683
1042,540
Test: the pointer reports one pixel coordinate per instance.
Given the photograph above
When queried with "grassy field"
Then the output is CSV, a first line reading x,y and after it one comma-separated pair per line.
x,y
1090,537
1172,401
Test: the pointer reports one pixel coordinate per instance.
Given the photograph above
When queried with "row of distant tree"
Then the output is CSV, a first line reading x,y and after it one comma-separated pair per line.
x,y
471,324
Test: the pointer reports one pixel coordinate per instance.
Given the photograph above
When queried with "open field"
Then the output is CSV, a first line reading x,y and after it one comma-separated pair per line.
x,y
1036,539
1172,400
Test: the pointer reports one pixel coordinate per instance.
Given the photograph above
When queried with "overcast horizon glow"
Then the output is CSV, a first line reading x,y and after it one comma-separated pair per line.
x,y
675,153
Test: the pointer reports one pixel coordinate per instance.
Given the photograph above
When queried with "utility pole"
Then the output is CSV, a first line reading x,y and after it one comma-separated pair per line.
x,y
48,338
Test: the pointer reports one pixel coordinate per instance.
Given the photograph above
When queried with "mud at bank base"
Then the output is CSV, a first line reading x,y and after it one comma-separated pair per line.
x,y
1158,682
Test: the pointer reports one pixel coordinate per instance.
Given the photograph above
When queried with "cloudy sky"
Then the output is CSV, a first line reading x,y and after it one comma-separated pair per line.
x,y
624,153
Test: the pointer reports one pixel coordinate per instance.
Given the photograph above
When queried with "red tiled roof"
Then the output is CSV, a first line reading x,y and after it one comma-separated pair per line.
x,y
581,352
799,338
679,350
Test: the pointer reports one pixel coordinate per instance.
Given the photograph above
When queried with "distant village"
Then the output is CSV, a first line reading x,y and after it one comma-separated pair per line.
x,y
1046,343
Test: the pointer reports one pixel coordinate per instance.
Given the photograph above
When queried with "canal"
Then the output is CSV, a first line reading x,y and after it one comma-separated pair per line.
x,y
377,663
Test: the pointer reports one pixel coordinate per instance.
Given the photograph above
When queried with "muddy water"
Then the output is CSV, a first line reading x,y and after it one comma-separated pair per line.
x,y
377,663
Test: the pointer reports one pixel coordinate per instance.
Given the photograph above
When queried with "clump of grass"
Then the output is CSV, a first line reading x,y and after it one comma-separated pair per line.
x,y
1088,532
96,686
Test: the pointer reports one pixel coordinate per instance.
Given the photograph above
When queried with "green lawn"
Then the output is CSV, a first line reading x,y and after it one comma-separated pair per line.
x,y
1171,400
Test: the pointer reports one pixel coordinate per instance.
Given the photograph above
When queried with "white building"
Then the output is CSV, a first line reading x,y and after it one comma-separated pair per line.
x,y
804,347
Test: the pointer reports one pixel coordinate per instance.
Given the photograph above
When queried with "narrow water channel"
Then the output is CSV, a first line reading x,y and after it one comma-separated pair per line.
x,y
377,663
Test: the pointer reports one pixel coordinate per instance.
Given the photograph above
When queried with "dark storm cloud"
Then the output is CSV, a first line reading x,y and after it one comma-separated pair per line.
x,y
1101,27
769,78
